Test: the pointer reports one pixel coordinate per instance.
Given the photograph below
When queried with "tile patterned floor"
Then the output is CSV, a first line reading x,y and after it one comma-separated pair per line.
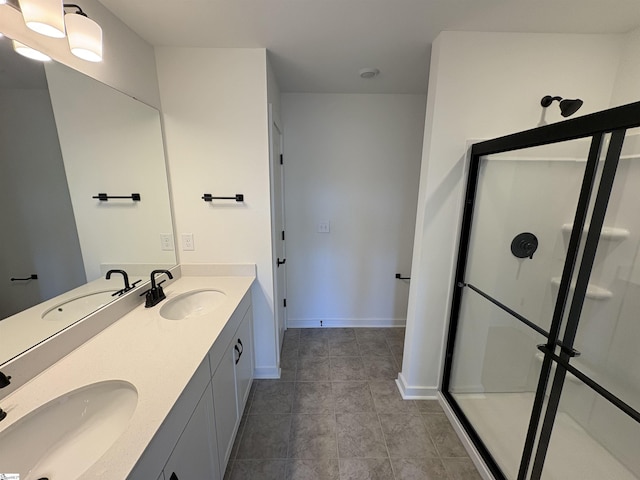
x,y
336,414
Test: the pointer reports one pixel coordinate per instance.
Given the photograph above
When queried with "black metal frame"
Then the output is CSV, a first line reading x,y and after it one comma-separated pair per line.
x,y
615,121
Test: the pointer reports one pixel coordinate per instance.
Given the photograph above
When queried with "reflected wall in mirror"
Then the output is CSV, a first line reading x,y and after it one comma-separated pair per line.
x,y
65,138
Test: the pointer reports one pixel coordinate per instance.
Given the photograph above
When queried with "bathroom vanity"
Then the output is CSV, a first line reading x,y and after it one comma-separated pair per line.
x,y
158,394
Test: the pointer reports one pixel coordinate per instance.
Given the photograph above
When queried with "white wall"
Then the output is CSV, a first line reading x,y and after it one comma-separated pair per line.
x,y
482,85
128,65
112,144
627,86
216,123
352,161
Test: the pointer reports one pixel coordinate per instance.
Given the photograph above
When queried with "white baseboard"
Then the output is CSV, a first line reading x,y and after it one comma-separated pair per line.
x,y
483,470
266,372
415,392
345,322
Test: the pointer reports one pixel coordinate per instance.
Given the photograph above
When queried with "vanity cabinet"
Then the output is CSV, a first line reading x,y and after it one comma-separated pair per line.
x,y
194,456
244,365
195,440
225,403
231,384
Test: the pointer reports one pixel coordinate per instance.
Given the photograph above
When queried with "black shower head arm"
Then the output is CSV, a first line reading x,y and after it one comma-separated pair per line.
x,y
547,100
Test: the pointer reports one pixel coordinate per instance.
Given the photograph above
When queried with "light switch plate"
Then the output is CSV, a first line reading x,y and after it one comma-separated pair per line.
x,y
187,241
166,241
324,227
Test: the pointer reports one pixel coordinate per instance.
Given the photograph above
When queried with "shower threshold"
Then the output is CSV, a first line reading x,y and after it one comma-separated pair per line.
x,y
502,419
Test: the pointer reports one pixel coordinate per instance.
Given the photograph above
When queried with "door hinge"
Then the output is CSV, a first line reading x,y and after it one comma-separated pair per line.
x,y
283,235
281,159
284,302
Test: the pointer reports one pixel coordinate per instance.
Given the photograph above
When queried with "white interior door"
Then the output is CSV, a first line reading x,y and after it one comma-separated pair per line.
x,y
278,227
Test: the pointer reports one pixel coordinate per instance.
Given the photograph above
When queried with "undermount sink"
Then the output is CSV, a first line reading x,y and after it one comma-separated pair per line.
x,y
192,304
79,307
63,438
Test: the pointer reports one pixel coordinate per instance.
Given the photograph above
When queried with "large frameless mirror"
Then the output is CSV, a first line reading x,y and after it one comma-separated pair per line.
x,y
66,139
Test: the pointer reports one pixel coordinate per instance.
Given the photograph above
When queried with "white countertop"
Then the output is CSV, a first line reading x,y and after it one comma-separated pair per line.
x,y
27,328
156,355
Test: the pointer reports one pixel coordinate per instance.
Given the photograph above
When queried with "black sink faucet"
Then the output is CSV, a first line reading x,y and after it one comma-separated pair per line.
x,y
127,287
4,382
155,294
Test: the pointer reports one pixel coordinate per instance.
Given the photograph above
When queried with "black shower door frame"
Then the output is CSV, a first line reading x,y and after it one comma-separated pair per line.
x,y
616,122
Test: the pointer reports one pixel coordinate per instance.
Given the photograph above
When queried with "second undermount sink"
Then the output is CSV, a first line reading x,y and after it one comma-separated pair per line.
x,y
64,437
79,307
192,304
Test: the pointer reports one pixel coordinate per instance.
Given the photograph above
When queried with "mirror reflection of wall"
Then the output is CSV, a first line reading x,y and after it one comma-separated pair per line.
x,y
64,138
39,229
111,143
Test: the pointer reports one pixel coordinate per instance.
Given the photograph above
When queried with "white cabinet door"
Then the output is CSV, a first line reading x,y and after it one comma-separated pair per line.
x,y
194,456
244,367
225,404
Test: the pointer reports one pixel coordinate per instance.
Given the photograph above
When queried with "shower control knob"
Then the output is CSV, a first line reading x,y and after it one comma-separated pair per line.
x,y
524,245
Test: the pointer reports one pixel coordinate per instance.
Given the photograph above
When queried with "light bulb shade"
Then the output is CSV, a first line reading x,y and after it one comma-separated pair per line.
x,y
85,37
29,52
44,16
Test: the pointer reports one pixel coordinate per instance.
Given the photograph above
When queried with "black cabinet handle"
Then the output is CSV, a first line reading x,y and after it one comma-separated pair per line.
x,y
242,346
235,347
174,476
281,262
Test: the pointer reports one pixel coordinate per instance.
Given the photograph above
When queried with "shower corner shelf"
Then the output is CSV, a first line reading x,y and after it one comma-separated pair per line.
x,y
607,233
594,292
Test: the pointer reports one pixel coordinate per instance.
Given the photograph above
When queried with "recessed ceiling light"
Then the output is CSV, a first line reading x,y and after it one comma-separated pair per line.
x,y
369,72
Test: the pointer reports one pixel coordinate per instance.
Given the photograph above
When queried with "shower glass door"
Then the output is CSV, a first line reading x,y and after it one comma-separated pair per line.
x,y
543,358
524,199
592,436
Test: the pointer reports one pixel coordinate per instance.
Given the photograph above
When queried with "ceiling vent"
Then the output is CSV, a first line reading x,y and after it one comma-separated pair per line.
x,y
369,72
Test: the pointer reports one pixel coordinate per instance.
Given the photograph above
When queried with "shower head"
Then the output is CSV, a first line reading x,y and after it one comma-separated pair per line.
x,y
567,107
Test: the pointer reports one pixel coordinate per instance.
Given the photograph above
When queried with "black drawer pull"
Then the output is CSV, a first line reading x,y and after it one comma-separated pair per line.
x,y
235,347
174,476
241,346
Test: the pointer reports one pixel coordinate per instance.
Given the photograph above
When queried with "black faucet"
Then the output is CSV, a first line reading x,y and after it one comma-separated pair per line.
x,y
4,382
127,287
155,294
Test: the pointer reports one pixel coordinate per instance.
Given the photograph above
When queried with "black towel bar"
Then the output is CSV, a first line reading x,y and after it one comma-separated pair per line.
x,y
103,197
239,197
33,276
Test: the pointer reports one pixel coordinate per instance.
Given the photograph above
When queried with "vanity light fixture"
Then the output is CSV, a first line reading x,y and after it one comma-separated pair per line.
x,y
84,35
29,52
44,16
49,18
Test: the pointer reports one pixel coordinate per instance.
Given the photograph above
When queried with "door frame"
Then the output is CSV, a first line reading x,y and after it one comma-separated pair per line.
x,y
277,202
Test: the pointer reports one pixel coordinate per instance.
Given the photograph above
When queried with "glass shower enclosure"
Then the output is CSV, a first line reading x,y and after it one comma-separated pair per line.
x,y
542,363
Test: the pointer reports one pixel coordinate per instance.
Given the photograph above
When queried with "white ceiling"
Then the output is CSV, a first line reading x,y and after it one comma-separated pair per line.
x,y
319,45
